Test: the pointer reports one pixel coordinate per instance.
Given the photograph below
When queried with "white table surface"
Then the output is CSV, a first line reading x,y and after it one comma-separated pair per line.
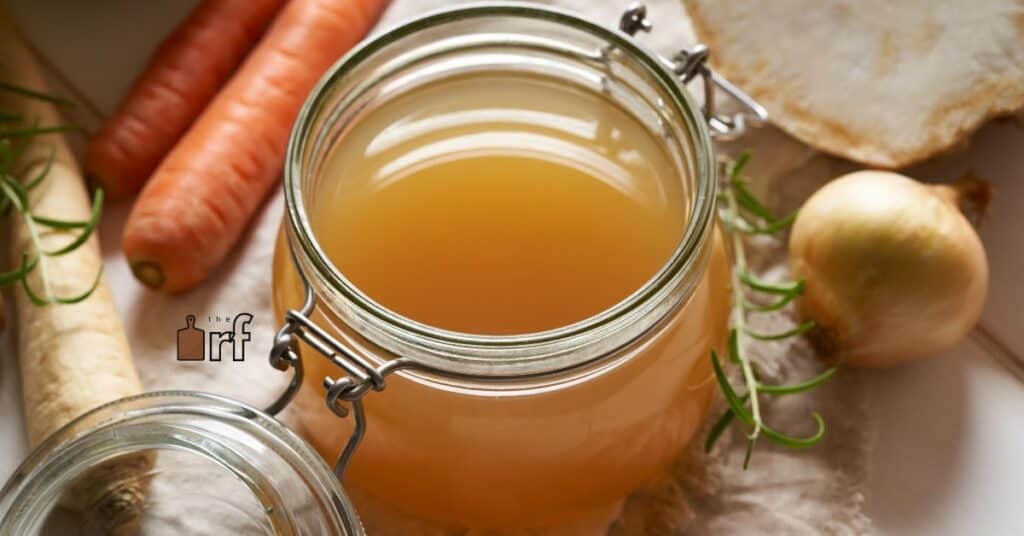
x,y
949,430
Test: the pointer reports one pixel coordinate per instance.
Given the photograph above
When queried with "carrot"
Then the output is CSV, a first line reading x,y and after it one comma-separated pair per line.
x,y
200,199
72,357
183,75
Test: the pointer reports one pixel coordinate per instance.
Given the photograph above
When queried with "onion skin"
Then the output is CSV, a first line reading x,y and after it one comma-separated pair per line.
x,y
894,271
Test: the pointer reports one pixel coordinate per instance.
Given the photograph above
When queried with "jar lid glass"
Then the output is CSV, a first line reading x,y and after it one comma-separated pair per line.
x,y
198,463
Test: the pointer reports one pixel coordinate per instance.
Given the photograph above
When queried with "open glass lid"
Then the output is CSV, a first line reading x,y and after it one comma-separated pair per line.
x,y
175,463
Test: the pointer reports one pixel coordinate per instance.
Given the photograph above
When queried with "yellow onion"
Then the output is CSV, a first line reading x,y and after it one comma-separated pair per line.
x,y
894,271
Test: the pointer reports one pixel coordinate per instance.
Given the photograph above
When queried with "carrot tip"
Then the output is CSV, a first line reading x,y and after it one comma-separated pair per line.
x,y
148,273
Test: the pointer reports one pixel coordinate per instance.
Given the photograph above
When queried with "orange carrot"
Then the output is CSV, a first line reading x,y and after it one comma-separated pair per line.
x,y
204,193
183,75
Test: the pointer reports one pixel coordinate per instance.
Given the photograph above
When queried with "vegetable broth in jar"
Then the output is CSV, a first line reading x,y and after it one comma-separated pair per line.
x,y
540,240
499,204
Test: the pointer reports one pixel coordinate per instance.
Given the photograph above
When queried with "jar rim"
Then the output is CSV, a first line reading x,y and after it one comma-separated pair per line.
x,y
61,451
684,257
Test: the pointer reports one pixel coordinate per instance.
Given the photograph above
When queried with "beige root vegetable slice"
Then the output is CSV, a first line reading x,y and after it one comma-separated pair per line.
x,y
880,82
72,357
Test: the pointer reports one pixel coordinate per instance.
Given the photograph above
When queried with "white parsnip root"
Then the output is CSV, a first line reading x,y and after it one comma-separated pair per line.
x,y
73,358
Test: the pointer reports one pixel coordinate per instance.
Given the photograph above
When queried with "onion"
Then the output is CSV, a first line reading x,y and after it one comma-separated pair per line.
x,y
894,271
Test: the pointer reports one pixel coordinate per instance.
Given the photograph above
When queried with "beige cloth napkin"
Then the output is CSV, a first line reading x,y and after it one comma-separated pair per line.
x,y
784,492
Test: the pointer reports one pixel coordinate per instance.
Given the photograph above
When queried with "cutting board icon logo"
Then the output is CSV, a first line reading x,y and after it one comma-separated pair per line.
x,y
191,341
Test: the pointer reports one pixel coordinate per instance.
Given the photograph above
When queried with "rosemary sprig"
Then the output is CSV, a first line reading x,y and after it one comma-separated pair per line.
x,y
15,136
33,94
738,205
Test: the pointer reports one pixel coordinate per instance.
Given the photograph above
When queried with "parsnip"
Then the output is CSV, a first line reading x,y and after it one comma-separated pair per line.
x,y
72,357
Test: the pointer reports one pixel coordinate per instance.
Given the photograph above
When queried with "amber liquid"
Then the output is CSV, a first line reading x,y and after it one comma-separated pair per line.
x,y
509,204
499,205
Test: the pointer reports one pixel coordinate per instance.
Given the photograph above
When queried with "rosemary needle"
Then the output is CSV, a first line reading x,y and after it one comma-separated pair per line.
x,y
31,93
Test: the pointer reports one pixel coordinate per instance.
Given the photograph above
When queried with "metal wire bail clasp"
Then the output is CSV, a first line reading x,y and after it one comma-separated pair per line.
x,y
360,375
689,63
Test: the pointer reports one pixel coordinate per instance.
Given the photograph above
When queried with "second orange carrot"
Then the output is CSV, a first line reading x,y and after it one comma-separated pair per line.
x,y
200,199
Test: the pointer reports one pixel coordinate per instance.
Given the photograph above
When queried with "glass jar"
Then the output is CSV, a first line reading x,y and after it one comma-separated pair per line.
x,y
203,464
504,431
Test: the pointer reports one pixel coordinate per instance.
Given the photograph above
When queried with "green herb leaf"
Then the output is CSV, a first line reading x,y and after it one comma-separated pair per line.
x,y
734,346
32,296
731,398
43,172
797,387
90,226
26,92
60,224
26,266
736,169
720,426
717,429
772,227
774,306
39,301
84,295
748,202
750,452
797,442
799,330
15,192
761,285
